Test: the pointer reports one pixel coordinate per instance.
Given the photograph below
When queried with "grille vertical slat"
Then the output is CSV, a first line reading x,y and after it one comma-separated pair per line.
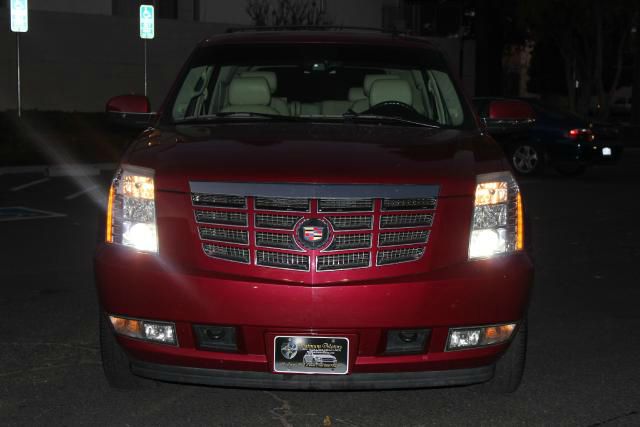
x,y
282,204
276,240
227,253
282,260
224,235
222,218
343,261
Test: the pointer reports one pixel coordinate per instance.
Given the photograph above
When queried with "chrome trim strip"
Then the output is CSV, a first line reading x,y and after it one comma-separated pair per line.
x,y
316,191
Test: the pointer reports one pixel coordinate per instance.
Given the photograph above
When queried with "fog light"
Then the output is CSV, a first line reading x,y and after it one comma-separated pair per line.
x,y
462,338
147,330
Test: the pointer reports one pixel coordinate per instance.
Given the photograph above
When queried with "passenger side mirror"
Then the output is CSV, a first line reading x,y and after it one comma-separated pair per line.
x,y
130,111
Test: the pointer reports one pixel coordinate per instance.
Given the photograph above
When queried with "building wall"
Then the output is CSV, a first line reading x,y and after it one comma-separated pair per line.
x,y
98,7
75,62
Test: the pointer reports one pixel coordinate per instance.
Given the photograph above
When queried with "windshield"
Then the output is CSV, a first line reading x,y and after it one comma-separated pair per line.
x,y
316,82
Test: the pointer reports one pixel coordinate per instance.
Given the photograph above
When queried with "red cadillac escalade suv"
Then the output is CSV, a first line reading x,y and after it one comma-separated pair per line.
x,y
314,210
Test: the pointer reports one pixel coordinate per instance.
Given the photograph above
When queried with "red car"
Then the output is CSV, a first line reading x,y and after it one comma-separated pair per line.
x,y
327,194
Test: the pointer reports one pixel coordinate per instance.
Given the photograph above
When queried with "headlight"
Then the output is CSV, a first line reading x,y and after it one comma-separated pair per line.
x,y
131,211
498,223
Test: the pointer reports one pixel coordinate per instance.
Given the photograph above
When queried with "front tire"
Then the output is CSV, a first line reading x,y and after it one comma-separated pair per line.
x,y
510,367
527,159
115,362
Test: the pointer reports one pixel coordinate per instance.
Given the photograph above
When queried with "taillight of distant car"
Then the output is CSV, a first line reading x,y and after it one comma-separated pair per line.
x,y
582,134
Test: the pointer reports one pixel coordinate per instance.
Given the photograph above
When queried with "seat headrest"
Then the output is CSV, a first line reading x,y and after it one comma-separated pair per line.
x,y
249,91
356,94
391,90
369,79
269,76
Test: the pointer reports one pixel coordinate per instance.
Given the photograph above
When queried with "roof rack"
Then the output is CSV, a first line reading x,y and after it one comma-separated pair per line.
x,y
310,28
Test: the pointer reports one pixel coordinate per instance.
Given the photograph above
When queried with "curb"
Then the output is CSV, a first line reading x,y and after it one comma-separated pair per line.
x,y
88,169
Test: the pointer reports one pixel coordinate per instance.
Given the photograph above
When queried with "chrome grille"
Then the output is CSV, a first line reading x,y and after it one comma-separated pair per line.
x,y
224,235
395,256
350,241
345,205
280,222
282,204
343,261
261,231
406,220
361,222
276,240
222,218
282,260
428,203
403,238
227,253
218,201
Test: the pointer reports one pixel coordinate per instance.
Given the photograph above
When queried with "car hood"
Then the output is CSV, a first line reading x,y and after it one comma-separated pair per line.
x,y
316,153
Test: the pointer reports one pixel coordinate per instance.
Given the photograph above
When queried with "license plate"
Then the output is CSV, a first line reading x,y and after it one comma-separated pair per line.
x,y
311,355
606,151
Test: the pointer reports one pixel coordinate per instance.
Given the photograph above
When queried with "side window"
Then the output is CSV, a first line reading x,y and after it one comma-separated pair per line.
x,y
194,94
450,98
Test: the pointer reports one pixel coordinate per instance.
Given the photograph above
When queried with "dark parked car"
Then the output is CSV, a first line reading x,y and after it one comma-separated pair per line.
x,y
559,139
306,193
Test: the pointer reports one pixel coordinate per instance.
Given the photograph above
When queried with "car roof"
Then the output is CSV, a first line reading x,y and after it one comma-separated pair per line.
x,y
303,36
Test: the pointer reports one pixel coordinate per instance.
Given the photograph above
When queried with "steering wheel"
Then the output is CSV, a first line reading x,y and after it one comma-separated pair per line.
x,y
394,108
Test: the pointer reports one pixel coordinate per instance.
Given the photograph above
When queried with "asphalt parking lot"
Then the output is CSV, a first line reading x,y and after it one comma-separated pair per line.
x,y
584,350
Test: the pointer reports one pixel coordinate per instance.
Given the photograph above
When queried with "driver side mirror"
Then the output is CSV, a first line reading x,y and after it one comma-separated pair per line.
x,y
130,111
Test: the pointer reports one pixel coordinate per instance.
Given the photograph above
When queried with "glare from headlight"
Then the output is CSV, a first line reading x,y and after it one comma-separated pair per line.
x,y
140,236
485,243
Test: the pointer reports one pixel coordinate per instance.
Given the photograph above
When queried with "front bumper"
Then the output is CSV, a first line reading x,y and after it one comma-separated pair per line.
x,y
468,294
374,381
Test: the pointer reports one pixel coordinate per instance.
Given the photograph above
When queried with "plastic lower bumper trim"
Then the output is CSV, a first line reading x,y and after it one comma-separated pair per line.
x,y
263,380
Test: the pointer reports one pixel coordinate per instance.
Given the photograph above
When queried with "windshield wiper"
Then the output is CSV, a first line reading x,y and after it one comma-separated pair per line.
x,y
352,115
233,115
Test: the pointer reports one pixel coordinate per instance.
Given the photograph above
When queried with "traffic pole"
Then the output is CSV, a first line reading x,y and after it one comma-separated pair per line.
x,y
18,70
146,69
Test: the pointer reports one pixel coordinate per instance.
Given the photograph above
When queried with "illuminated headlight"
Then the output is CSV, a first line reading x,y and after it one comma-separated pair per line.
x,y
131,211
480,336
498,222
148,330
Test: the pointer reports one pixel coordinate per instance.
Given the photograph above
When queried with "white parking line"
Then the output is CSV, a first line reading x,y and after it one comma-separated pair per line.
x,y
81,192
30,184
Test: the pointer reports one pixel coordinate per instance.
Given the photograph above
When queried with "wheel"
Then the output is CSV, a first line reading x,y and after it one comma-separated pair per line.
x,y
527,159
571,169
115,362
510,367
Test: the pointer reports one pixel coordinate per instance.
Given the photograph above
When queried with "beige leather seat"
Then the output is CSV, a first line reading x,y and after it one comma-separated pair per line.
x,y
335,107
280,104
364,104
391,91
356,94
249,95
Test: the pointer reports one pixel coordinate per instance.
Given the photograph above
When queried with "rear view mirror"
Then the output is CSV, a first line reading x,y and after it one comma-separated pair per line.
x,y
130,111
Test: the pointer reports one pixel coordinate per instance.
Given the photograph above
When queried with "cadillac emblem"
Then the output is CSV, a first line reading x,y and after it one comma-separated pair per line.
x,y
313,233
